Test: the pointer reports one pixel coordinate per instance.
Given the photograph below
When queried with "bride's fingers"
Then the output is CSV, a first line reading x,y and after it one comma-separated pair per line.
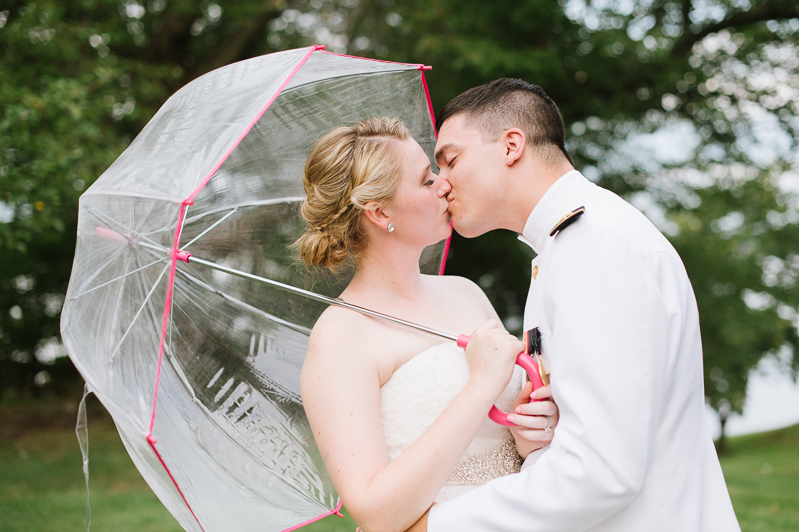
x,y
536,435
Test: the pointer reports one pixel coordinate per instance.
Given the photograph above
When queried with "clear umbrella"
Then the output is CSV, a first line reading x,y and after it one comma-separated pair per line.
x,y
199,368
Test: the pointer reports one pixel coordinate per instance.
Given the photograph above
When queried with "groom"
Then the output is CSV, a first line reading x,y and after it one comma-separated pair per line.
x,y
618,318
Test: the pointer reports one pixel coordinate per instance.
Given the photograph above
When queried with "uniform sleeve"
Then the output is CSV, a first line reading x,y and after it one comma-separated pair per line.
x,y
606,320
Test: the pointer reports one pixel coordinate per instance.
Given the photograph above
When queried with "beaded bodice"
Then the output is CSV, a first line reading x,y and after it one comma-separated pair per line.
x,y
416,394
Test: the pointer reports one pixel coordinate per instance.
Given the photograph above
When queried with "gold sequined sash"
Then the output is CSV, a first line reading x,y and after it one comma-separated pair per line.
x,y
481,467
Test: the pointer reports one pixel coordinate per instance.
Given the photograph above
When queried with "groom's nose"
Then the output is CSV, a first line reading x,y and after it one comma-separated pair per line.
x,y
443,187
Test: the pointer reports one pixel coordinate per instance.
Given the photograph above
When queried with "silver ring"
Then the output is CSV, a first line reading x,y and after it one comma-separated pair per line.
x,y
549,422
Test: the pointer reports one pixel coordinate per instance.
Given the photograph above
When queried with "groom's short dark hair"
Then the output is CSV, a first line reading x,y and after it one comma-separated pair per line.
x,y
497,106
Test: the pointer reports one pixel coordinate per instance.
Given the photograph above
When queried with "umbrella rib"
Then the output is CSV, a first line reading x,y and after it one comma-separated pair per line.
x,y
240,303
225,217
131,194
110,260
200,216
144,304
319,297
260,203
118,278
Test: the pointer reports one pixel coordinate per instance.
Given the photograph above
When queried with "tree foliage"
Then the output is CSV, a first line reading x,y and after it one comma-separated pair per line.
x,y
686,108
79,80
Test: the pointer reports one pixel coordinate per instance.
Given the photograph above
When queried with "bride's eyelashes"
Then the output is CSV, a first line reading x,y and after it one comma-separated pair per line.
x,y
430,182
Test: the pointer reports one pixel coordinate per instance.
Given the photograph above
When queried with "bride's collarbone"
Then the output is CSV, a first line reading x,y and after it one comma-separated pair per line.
x,y
450,316
440,304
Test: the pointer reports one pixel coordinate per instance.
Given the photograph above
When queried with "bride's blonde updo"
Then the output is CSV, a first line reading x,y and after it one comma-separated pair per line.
x,y
347,168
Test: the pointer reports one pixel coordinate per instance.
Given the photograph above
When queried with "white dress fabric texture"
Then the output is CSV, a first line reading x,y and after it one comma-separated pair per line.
x,y
620,337
419,391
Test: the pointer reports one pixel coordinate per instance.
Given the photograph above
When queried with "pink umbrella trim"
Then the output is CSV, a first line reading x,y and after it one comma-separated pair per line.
x,y
333,511
433,119
421,66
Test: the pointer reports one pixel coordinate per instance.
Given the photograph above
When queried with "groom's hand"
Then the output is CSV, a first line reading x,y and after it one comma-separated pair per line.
x,y
533,419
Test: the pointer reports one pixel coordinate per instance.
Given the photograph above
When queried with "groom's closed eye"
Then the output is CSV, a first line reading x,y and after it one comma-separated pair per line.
x,y
439,155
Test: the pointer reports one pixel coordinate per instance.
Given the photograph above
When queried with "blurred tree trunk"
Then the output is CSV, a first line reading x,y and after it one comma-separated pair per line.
x,y
721,443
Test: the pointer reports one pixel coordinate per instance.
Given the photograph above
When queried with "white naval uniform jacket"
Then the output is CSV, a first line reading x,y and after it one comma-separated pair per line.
x,y
620,336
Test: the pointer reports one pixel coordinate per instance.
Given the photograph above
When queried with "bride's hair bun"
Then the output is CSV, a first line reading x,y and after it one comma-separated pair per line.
x,y
347,168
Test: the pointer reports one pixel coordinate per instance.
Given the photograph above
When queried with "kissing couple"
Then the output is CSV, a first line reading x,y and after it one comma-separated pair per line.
x,y
617,442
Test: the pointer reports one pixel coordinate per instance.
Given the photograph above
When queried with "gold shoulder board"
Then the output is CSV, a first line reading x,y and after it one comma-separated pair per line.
x,y
568,219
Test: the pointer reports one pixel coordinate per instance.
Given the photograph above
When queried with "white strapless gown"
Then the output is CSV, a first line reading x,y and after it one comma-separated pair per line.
x,y
419,391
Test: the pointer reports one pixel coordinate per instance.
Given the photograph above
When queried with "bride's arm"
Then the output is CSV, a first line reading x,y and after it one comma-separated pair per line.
x,y
341,395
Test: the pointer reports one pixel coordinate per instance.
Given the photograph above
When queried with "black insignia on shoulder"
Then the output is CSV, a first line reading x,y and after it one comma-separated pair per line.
x,y
568,219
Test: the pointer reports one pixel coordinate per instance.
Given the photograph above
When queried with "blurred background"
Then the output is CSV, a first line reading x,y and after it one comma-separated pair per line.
x,y
689,109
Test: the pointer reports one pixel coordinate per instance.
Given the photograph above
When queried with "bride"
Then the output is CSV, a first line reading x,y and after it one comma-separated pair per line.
x,y
400,418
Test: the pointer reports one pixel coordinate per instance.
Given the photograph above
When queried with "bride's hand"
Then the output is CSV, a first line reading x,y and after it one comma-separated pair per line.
x,y
491,354
533,418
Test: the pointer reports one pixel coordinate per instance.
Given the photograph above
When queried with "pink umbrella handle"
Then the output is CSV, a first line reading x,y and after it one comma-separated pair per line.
x,y
528,364
111,235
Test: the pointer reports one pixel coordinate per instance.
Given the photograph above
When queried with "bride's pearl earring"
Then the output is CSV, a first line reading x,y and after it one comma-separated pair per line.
x,y
391,228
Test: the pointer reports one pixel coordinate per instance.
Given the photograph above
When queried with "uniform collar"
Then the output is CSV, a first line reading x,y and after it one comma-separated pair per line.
x,y
557,201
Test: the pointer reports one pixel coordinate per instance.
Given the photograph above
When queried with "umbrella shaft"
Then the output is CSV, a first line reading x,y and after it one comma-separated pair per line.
x,y
322,298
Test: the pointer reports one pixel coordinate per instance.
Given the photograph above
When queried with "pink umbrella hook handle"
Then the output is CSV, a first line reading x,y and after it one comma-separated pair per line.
x,y
528,364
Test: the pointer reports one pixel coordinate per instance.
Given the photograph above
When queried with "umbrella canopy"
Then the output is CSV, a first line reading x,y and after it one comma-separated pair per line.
x,y
200,369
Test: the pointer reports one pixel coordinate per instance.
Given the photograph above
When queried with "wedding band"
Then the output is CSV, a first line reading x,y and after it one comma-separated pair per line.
x,y
549,422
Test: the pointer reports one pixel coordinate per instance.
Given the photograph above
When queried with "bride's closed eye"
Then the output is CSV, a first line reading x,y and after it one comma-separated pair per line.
x,y
430,182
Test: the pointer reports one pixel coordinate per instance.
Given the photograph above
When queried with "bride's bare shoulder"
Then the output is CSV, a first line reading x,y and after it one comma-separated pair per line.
x,y
337,332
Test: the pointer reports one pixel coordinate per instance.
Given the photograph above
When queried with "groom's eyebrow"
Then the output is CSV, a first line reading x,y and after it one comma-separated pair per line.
x,y
439,156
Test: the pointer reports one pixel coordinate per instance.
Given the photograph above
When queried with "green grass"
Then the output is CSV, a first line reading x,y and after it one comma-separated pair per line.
x,y
762,473
42,488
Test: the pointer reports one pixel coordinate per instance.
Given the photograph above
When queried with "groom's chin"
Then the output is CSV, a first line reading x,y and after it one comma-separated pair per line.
x,y
467,230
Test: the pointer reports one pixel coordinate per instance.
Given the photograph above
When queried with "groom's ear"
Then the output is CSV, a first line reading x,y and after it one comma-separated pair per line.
x,y
374,213
513,142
